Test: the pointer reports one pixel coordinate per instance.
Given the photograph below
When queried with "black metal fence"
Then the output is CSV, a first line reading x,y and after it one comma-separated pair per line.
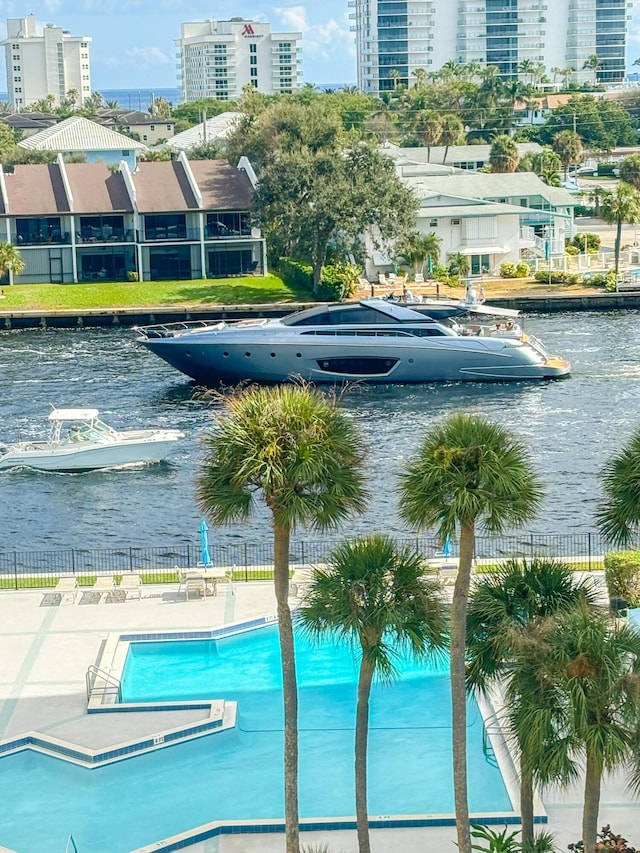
x,y
20,569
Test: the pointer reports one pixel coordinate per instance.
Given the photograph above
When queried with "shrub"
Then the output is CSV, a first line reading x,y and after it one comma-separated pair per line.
x,y
622,573
339,281
607,840
572,250
610,281
592,241
605,169
556,277
508,270
132,275
296,273
523,270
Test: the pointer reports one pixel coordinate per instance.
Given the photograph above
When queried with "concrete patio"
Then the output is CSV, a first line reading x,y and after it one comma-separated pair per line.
x,y
46,646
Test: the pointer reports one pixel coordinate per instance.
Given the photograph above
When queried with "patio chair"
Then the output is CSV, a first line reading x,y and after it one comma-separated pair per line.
x,y
300,581
67,585
418,278
182,578
195,582
104,583
131,584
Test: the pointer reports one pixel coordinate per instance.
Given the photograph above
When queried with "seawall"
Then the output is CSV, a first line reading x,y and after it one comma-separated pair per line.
x,y
143,316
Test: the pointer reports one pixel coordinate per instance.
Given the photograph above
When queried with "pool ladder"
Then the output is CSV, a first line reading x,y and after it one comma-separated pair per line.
x,y
101,683
487,746
71,845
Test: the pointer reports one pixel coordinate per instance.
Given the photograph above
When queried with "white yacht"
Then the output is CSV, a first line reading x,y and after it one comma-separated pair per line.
x,y
79,441
372,340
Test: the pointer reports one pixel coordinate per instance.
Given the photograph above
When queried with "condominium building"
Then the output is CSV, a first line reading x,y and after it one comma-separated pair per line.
x,y
44,61
406,35
217,59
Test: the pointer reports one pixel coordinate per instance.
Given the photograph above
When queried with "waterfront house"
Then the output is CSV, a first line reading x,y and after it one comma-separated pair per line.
x,y
215,129
466,157
150,129
175,219
78,135
490,218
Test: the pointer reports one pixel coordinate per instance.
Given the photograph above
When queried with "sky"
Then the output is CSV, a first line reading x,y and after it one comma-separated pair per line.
x,y
133,39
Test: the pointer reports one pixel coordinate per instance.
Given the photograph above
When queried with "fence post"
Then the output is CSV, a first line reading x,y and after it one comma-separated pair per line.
x,y
302,552
73,561
15,570
246,563
589,549
130,559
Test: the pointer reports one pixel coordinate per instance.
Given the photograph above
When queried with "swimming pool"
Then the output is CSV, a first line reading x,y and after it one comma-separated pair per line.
x,y
237,774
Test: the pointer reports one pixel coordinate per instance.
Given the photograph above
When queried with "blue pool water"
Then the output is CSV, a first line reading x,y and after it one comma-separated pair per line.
x,y
238,774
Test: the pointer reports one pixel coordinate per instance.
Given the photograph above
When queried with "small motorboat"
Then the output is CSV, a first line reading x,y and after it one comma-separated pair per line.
x,y
79,441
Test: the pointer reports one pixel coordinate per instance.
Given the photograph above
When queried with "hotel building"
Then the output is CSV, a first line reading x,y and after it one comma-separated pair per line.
x,y
217,59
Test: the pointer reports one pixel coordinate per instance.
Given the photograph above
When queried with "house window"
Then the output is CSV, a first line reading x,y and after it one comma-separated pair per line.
x,y
125,153
252,59
253,48
151,127
433,223
455,222
480,264
254,72
144,138
168,127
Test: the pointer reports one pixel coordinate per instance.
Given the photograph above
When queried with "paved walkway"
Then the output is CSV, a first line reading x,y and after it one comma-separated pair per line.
x,y
46,647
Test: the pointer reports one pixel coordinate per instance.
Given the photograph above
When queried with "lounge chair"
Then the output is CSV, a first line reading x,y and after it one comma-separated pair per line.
x,y
104,583
195,582
131,584
67,585
182,578
300,581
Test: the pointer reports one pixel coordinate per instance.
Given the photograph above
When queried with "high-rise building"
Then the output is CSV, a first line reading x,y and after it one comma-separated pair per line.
x,y
394,38
217,59
44,61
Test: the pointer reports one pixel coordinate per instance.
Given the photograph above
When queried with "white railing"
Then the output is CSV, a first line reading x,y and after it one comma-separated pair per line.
x,y
600,261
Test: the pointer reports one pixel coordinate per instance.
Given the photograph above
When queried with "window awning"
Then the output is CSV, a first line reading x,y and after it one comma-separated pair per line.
x,y
484,250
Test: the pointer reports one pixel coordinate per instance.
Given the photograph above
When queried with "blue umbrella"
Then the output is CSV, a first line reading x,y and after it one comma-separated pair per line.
x,y
205,556
446,548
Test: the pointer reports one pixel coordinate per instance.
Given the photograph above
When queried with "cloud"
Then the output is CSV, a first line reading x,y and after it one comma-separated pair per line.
x,y
322,39
147,56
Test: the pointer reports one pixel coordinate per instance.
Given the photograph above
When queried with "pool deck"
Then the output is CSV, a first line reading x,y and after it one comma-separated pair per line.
x,y
47,644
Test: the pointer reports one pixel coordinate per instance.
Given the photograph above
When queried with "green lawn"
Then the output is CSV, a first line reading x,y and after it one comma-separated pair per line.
x,y
252,290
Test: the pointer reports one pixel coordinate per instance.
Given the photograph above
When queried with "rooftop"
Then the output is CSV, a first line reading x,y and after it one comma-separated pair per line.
x,y
80,134
213,129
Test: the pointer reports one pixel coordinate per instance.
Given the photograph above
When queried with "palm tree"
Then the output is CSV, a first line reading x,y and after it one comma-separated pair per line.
x,y
618,514
467,471
629,170
567,74
10,261
451,132
503,156
427,127
595,661
528,69
378,597
459,265
294,448
568,146
593,63
395,75
421,75
618,206
416,247
508,614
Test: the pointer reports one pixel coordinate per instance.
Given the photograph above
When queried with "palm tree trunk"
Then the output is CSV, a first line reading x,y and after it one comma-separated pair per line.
x,y
526,802
281,537
458,688
362,737
591,803
446,151
617,247
428,153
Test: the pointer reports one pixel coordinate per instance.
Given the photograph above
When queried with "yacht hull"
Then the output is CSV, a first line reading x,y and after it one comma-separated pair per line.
x,y
234,357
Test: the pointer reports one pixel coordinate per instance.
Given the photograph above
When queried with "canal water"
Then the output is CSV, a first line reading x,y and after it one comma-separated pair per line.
x,y
570,425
